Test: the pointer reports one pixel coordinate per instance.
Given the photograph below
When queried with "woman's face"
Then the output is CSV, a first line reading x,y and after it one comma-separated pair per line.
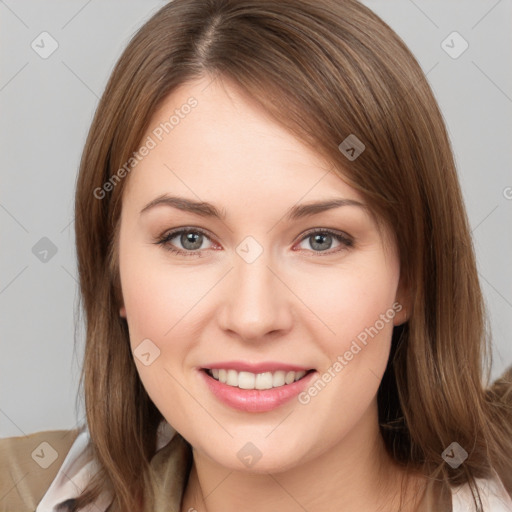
x,y
260,294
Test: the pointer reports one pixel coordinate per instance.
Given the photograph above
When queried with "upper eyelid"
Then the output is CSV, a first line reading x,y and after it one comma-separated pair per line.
x,y
177,231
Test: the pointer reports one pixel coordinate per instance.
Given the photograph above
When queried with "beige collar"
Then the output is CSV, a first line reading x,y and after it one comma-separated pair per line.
x,y
169,471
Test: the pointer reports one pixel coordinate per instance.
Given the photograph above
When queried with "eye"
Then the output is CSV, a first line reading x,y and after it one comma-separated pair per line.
x,y
321,241
191,240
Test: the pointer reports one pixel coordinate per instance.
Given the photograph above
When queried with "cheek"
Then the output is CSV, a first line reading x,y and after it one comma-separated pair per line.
x,y
357,307
157,301
156,297
348,302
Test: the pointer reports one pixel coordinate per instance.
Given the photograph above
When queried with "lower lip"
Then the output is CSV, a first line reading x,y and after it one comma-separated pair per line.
x,y
256,400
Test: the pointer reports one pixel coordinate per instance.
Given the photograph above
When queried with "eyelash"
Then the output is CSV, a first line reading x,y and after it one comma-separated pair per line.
x,y
346,241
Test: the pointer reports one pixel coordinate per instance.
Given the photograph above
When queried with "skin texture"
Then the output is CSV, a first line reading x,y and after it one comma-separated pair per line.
x,y
294,304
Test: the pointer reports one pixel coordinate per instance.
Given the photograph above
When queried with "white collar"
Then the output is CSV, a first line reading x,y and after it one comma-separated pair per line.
x,y
75,473
494,496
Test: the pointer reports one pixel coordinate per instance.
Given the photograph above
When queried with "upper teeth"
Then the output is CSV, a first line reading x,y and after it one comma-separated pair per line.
x,y
248,380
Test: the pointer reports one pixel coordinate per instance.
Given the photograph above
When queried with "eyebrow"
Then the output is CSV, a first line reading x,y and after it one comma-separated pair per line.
x,y
205,209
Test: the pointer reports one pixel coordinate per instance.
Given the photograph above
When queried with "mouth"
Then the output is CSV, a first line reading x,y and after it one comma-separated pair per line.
x,y
256,392
256,381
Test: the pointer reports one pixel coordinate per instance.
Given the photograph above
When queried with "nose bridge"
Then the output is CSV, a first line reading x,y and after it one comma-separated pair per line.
x,y
255,303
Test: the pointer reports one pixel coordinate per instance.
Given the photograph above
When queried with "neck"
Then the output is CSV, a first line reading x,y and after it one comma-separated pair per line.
x,y
356,474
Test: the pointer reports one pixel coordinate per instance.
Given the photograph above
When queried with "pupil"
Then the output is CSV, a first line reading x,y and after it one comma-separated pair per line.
x,y
191,238
318,244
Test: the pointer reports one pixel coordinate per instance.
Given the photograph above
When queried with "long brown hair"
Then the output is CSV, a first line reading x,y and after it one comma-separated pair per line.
x,y
325,70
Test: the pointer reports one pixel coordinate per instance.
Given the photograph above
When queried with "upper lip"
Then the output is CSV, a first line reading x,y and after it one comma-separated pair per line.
x,y
266,366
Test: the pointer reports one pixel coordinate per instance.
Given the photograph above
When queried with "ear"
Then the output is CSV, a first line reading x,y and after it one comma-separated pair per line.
x,y
403,303
122,311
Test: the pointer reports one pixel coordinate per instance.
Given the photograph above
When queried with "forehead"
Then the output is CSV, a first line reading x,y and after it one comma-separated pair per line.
x,y
208,138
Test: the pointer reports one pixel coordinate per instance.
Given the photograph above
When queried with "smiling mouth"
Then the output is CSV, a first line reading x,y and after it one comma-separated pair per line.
x,y
258,381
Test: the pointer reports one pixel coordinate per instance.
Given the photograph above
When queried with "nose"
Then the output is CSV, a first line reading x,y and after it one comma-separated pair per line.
x,y
258,303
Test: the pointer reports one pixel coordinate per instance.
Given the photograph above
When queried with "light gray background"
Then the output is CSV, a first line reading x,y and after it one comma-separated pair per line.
x,y
46,109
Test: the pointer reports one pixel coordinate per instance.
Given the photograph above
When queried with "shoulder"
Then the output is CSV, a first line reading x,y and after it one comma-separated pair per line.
x,y
493,494
29,464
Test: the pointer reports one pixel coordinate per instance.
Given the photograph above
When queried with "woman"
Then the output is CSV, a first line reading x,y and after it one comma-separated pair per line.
x,y
296,376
